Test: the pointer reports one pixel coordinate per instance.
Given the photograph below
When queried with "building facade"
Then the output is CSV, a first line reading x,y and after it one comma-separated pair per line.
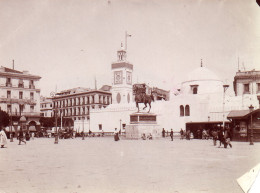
x,y
46,107
76,104
20,96
247,82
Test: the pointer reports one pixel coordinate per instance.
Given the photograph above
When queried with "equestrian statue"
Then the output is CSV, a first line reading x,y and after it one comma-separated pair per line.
x,y
141,96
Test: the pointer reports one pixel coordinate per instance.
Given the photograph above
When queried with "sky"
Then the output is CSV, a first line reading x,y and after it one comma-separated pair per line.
x,y
69,43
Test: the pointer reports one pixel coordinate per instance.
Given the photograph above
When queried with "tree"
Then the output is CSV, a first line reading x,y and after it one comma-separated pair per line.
x,y
4,118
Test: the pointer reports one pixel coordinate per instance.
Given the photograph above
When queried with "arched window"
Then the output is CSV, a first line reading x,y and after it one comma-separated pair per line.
x,y
195,90
187,110
181,111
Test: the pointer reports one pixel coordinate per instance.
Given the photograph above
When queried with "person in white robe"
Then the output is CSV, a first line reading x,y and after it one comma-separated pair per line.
x,y
3,138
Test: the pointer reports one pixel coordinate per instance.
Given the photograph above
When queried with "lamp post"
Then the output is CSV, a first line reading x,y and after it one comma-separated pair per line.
x,y
120,125
56,131
11,124
83,136
251,108
225,87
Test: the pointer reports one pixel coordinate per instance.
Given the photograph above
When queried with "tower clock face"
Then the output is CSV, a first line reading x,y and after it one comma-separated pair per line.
x,y
128,77
118,77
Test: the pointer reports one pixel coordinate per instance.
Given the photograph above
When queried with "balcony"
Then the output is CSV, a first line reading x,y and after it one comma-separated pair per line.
x,y
31,86
26,114
19,101
8,84
30,114
20,85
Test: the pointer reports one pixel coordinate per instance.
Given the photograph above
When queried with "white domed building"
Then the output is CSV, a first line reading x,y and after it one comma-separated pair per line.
x,y
200,93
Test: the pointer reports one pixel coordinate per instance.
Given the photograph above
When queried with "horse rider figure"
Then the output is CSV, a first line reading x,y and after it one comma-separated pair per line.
x,y
141,96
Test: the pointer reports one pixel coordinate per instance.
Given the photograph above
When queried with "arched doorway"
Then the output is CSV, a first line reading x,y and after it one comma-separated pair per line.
x,y
32,126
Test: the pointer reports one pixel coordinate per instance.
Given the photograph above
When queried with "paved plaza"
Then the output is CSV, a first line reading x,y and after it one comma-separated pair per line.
x,y
126,166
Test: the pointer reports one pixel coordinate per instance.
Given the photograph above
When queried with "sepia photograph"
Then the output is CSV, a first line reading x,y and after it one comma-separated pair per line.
x,y
129,96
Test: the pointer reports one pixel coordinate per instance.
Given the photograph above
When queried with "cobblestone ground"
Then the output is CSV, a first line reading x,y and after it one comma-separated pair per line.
x,y
126,166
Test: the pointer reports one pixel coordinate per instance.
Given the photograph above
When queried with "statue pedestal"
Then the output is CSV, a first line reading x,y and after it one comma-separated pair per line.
x,y
142,123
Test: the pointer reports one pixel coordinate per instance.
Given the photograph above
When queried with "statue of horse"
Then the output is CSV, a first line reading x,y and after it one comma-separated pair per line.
x,y
144,98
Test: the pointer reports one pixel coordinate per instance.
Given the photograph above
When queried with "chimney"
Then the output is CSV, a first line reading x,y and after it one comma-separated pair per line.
x,y
13,64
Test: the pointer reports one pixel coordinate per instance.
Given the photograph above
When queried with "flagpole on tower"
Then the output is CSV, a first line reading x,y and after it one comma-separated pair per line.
x,y
126,36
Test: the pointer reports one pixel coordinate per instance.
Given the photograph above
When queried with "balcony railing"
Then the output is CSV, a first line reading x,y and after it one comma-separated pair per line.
x,y
19,101
20,85
8,84
31,86
31,114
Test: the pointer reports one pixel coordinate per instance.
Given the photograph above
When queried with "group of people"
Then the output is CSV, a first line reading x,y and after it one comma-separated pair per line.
x,y
223,136
185,134
171,133
149,136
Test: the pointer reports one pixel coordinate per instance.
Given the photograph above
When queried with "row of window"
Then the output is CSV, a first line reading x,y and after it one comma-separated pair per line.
x,y
46,105
20,95
18,111
184,111
20,83
246,88
81,101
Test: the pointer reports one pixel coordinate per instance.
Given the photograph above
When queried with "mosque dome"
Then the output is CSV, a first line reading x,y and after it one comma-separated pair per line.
x,y
201,73
202,81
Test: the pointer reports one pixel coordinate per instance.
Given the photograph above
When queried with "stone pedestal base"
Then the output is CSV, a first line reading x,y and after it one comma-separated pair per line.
x,y
142,124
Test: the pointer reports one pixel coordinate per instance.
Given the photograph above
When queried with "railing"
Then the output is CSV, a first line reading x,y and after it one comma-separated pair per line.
x,y
8,84
31,114
32,86
20,85
19,101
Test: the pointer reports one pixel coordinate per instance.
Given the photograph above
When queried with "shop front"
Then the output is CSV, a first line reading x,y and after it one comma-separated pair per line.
x,y
244,124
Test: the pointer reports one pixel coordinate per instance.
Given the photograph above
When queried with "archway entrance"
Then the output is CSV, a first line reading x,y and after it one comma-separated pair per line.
x,y
32,126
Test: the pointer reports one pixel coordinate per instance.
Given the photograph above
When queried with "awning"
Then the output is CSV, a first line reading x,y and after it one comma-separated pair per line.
x,y
238,114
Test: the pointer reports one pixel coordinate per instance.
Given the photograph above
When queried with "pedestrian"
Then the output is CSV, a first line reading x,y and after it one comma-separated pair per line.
x,y
171,134
27,136
163,132
188,135
215,137
227,137
221,138
116,135
32,135
21,138
181,132
3,138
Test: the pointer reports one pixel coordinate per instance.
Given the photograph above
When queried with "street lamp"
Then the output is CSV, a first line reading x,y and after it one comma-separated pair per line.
x,y
120,126
56,131
225,87
251,108
83,136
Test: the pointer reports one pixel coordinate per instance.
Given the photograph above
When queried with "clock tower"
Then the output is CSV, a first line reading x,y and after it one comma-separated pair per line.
x,y
121,79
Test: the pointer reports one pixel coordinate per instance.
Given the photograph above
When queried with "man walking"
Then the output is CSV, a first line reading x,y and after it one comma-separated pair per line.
x,y
227,137
21,138
171,134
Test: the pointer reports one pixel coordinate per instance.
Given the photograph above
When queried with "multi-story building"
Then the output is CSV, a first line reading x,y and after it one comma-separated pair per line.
x,y
46,107
247,82
20,96
76,103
